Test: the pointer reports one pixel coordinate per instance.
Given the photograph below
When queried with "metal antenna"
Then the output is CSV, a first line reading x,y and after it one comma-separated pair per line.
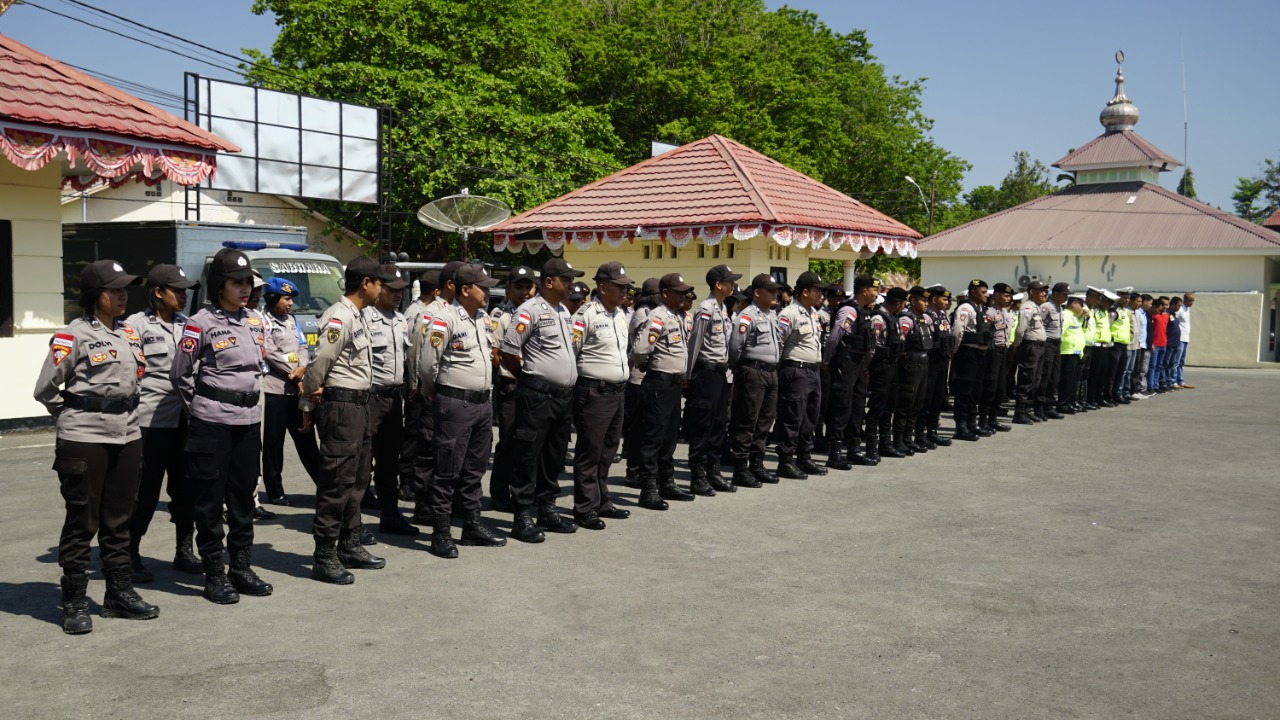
x,y
1185,130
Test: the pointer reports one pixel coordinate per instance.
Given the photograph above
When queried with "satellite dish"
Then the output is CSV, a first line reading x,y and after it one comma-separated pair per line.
x,y
464,213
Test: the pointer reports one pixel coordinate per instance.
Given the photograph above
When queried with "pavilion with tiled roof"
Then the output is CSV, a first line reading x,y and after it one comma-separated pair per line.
x,y
708,202
1117,227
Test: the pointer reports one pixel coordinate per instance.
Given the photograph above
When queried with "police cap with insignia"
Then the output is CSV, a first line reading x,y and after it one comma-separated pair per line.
x,y
1061,288
895,294
448,271
649,286
975,284
579,291
559,267
865,281
430,281
392,278
614,272
809,279
473,275
527,274
107,274
939,291
721,273
763,281
165,275
230,263
360,268
917,291
674,281
1037,285
281,286
1002,288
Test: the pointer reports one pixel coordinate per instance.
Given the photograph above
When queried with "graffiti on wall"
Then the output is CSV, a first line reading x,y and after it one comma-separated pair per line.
x,y
1071,269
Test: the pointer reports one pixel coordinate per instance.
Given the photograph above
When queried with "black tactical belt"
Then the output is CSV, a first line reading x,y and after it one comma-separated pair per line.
x,y
505,383
664,376
386,391
758,365
714,367
800,365
542,386
239,399
1054,341
1034,342
472,396
917,357
337,394
113,405
602,386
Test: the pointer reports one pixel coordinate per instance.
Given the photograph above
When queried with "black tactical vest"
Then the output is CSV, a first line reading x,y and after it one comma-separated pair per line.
x,y
920,339
862,338
982,334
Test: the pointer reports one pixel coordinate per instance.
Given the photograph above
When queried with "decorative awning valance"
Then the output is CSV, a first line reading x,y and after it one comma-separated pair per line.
x,y
32,147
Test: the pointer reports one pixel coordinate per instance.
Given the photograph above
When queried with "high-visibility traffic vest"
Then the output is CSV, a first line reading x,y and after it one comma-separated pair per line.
x,y
1089,326
1073,336
1102,323
1120,331
1013,327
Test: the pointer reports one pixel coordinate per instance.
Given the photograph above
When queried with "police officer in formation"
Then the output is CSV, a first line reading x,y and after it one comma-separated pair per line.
x,y
944,347
848,351
916,328
972,328
415,450
995,377
286,361
707,409
799,381
882,377
1029,351
754,353
521,285
389,343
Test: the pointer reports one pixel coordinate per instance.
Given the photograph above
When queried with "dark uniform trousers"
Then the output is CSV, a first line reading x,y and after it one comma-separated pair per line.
x,y
280,413
632,422
935,388
799,404
661,426
386,430
539,440
162,453
1030,357
706,412
847,404
345,456
913,382
1119,357
995,375
1050,373
1082,375
1069,380
1100,375
99,483
222,467
463,437
969,365
755,403
882,382
415,447
504,407
597,413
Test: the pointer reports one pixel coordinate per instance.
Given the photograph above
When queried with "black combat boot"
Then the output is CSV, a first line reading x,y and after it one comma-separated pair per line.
x,y
698,484
718,482
523,527
668,490
422,514
633,478
835,456
921,440
900,443
549,518
140,574
122,600
217,588
650,499
760,472
993,423
242,576
742,476
805,462
975,426
1051,413
963,431
475,532
75,609
1020,415
441,541
327,567
872,452
886,445
184,559
1041,414
787,467
937,439
353,556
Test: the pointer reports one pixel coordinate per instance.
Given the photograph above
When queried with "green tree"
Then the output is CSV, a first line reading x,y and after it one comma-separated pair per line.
x,y
1245,199
1027,181
1187,185
984,200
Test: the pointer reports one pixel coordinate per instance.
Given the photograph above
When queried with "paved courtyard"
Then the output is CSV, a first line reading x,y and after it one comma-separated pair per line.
x,y
1123,563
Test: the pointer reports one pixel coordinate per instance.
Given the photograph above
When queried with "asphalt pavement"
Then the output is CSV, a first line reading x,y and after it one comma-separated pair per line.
x,y
1122,563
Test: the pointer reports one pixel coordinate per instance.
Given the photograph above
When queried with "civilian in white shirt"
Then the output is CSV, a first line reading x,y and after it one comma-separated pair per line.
x,y
1183,316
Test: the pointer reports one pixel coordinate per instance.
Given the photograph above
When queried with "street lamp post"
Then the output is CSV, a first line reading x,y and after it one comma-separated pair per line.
x,y
928,204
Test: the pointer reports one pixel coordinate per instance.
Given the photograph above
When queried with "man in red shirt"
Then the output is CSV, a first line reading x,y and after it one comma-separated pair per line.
x,y
1159,341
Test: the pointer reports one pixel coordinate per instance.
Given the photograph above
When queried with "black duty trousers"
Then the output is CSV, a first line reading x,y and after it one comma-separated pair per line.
x,y
969,365
632,422
99,483
281,414
162,453
386,431
1050,373
1031,364
1069,380
1100,374
913,381
415,447
462,440
847,405
1119,357
660,431
799,404
936,388
345,455
882,390
222,467
995,375
706,413
539,440
504,409
755,403
598,416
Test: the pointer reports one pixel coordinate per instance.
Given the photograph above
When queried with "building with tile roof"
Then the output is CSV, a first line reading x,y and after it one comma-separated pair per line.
x,y
62,128
709,202
1117,227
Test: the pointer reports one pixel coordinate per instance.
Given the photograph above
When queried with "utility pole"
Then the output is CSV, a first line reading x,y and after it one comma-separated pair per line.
x,y
933,182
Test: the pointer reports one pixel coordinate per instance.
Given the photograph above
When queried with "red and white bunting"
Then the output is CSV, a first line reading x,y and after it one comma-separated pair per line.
x,y
32,148
800,236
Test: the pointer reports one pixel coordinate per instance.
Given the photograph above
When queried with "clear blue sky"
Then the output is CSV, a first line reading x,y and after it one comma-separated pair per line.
x,y
1001,76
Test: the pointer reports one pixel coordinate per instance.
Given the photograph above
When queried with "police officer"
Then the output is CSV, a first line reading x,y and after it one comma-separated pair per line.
x,y
600,343
1071,348
287,357
707,409
1047,396
916,328
339,379
944,347
421,514
1029,351
520,287
662,353
633,408
415,451
799,380
848,353
972,328
89,384
754,353
576,297
217,371
538,349
389,340
456,371
163,419
882,377
996,374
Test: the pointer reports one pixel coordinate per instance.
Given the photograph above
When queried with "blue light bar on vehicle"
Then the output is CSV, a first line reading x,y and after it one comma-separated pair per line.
x,y
260,245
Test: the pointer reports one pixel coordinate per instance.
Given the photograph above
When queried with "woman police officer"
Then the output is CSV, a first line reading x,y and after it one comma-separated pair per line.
x,y
287,357
163,419
89,383
216,371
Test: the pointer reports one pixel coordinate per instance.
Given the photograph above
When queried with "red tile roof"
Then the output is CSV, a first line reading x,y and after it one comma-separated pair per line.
x,y
1102,218
1118,147
41,91
713,180
1273,222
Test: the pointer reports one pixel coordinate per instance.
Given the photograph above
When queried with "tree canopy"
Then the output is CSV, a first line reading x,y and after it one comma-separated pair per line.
x,y
525,100
1256,198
